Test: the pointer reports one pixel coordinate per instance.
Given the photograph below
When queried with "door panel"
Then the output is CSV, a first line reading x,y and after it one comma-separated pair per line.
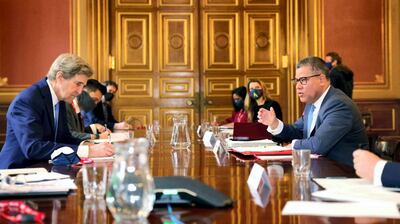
x,y
186,56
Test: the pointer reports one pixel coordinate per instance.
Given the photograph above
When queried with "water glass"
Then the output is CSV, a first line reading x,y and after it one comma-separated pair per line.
x,y
156,127
94,179
180,138
301,162
94,211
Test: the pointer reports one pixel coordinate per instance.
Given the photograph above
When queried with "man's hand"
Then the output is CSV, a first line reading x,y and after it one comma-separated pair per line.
x,y
100,128
364,163
101,150
122,125
268,117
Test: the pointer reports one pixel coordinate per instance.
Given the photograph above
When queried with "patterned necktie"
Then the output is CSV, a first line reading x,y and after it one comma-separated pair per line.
x,y
56,112
310,119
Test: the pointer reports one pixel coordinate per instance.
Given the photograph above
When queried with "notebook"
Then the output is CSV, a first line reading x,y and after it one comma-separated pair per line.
x,y
250,131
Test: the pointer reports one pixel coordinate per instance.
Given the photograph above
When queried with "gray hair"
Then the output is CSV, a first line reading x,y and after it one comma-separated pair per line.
x,y
70,65
317,65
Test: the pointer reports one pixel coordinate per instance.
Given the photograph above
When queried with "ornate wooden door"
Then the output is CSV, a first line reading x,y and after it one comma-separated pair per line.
x,y
185,56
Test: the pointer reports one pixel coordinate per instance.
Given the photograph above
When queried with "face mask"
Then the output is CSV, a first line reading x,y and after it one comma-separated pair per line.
x,y
329,65
108,96
256,93
238,104
85,102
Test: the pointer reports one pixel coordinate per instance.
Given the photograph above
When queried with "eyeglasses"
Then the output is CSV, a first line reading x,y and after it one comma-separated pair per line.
x,y
303,80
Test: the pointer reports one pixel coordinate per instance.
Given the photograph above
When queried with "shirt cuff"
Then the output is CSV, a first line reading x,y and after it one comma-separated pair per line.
x,y
378,172
83,151
277,130
93,128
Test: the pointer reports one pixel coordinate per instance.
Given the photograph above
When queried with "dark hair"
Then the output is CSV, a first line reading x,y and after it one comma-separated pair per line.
x,y
111,83
93,85
240,91
335,57
317,65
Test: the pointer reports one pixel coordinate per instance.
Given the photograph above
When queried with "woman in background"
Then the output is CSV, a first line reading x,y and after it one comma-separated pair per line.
x,y
239,115
259,98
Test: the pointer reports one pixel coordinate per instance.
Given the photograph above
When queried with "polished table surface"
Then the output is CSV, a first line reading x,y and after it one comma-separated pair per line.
x,y
225,173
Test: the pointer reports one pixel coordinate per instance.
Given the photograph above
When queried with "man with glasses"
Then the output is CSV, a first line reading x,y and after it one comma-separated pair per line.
x,y
37,122
331,123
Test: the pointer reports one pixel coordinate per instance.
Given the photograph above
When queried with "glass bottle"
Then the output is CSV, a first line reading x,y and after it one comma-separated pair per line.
x,y
130,196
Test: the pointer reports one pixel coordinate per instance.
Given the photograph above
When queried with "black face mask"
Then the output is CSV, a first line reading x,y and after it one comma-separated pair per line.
x,y
85,102
108,97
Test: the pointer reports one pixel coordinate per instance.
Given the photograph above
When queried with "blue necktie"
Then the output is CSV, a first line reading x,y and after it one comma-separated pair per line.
x,y
56,111
309,119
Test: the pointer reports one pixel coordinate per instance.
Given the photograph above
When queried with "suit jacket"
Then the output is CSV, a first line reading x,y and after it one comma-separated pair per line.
x,y
338,130
390,175
342,78
30,128
103,115
75,124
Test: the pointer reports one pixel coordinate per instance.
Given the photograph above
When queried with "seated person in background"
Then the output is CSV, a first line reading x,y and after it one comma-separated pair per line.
x,y
83,102
95,90
340,75
36,117
259,98
238,113
331,124
103,112
375,169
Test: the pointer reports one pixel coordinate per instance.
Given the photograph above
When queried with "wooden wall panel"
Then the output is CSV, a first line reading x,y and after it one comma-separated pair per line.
x,y
384,116
3,123
221,3
221,43
218,114
135,38
176,3
136,116
220,86
176,87
176,41
262,43
136,3
135,87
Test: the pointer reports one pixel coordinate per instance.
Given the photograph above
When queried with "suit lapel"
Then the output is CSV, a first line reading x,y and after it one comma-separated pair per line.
x,y
45,91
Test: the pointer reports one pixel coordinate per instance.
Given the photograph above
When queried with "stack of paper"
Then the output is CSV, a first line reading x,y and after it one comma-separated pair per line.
x,y
263,150
253,143
34,182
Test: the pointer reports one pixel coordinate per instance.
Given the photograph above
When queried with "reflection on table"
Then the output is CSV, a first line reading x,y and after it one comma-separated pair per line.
x,y
220,171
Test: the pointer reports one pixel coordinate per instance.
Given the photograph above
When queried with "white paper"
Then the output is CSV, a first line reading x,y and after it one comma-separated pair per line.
x,y
342,209
115,137
259,186
274,148
103,159
354,189
253,143
283,157
207,139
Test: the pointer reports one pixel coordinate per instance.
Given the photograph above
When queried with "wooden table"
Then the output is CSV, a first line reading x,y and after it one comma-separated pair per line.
x,y
228,175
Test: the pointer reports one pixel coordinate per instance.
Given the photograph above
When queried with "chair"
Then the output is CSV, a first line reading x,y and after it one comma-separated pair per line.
x,y
388,147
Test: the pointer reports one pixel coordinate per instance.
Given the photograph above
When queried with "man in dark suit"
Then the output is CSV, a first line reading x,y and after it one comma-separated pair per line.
x,y
375,169
340,75
331,124
36,118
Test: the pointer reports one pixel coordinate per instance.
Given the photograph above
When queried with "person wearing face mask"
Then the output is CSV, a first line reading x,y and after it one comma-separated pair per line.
x,y
340,75
103,111
239,115
259,98
83,102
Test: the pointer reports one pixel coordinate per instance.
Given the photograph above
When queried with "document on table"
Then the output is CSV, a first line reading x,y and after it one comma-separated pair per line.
x,y
253,143
283,157
354,189
342,209
115,137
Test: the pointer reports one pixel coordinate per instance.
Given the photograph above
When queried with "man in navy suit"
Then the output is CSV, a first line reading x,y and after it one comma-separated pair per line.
x,y
331,124
36,118
375,169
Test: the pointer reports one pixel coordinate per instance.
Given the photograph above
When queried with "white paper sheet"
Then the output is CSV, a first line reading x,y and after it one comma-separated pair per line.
x,y
283,158
342,209
354,189
266,148
254,143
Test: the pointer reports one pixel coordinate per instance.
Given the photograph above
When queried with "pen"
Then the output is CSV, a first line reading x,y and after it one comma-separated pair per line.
x,y
109,135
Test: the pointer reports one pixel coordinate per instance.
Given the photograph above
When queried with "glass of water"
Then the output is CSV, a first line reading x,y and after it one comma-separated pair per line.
x,y
301,162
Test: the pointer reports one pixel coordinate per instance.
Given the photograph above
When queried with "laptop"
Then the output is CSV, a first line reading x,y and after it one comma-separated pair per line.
x,y
250,131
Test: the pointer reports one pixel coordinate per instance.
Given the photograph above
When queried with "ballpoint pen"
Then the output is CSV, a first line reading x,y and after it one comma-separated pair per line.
x,y
109,135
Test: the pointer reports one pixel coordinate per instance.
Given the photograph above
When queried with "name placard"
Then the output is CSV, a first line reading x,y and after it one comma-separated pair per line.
x,y
259,186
